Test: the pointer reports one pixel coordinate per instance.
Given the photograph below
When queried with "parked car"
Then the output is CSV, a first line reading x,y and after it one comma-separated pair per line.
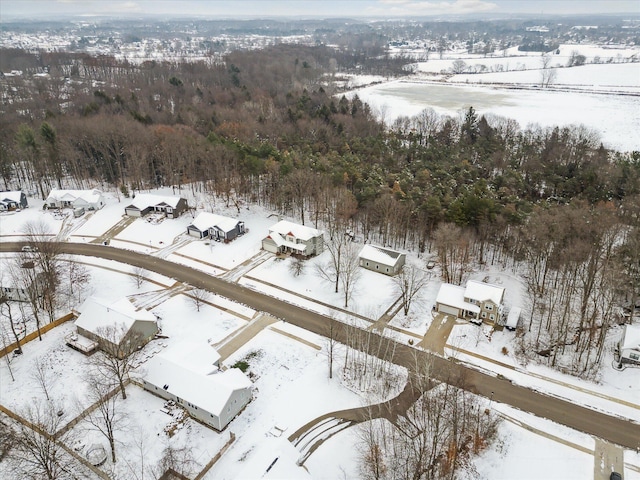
x,y
615,476
431,264
29,248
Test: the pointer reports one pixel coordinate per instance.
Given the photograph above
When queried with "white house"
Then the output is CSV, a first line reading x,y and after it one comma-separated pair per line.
x,y
478,301
628,348
192,380
383,260
289,237
217,227
88,199
113,323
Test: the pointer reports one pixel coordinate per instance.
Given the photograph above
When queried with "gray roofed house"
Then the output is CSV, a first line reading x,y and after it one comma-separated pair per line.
x,y
380,259
216,227
144,203
115,322
12,200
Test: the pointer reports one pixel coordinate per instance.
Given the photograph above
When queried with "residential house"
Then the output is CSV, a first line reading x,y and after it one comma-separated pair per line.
x,y
172,206
383,260
291,238
216,227
112,324
13,200
88,199
478,301
627,350
191,379
19,290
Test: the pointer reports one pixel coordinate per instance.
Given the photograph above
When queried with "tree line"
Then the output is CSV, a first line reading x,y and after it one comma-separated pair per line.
x,y
271,127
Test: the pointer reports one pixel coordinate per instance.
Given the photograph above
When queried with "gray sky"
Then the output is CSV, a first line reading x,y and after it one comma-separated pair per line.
x,y
308,8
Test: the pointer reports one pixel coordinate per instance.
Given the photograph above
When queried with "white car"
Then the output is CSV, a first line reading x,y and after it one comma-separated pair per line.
x,y
29,248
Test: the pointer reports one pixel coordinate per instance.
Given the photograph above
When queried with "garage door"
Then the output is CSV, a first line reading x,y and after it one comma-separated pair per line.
x,y
448,310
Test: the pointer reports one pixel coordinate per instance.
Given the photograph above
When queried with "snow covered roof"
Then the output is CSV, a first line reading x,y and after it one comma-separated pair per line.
x,y
96,314
279,240
209,392
284,228
513,317
13,196
453,295
144,200
380,255
631,337
484,291
206,220
89,196
199,357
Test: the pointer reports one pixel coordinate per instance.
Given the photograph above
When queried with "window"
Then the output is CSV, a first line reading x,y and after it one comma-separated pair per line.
x,y
484,314
492,317
634,356
488,306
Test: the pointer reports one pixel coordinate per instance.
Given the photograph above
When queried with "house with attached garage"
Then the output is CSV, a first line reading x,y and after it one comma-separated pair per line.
x,y
478,301
13,200
112,324
627,350
190,377
216,227
172,206
88,199
383,260
291,238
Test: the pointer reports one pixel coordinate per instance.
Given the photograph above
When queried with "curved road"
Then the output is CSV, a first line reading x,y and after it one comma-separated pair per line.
x,y
610,428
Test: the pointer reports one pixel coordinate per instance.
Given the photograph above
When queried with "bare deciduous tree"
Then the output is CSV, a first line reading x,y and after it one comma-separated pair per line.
x,y
408,283
104,415
199,297
35,451
41,373
120,348
138,276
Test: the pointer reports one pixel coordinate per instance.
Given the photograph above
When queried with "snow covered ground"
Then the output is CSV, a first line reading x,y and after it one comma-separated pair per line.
x,y
603,94
289,365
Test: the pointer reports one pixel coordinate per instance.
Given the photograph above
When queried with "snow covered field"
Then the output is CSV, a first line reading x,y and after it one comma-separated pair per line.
x,y
603,96
288,364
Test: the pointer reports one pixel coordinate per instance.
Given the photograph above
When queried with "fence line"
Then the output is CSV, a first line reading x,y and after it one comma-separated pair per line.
x,y
33,335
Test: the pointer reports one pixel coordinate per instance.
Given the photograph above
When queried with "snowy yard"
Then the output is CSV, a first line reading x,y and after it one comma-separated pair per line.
x,y
289,366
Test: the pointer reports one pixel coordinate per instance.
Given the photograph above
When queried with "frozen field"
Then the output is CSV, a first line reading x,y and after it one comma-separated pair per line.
x,y
603,94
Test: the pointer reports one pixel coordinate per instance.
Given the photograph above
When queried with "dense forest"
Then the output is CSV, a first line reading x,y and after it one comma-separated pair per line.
x,y
270,127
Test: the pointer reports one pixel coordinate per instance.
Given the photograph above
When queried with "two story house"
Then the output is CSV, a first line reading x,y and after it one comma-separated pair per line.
x,y
478,301
291,238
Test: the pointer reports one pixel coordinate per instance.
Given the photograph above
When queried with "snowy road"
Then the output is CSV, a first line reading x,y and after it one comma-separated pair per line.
x,y
616,430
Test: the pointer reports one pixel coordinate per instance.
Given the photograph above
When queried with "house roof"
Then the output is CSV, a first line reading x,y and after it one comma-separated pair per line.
x,y
199,357
280,241
96,314
631,337
13,196
484,291
144,200
453,295
89,196
206,220
284,228
209,392
381,255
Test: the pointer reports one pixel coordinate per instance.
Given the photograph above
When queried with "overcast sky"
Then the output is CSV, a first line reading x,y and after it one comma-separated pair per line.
x,y
308,8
